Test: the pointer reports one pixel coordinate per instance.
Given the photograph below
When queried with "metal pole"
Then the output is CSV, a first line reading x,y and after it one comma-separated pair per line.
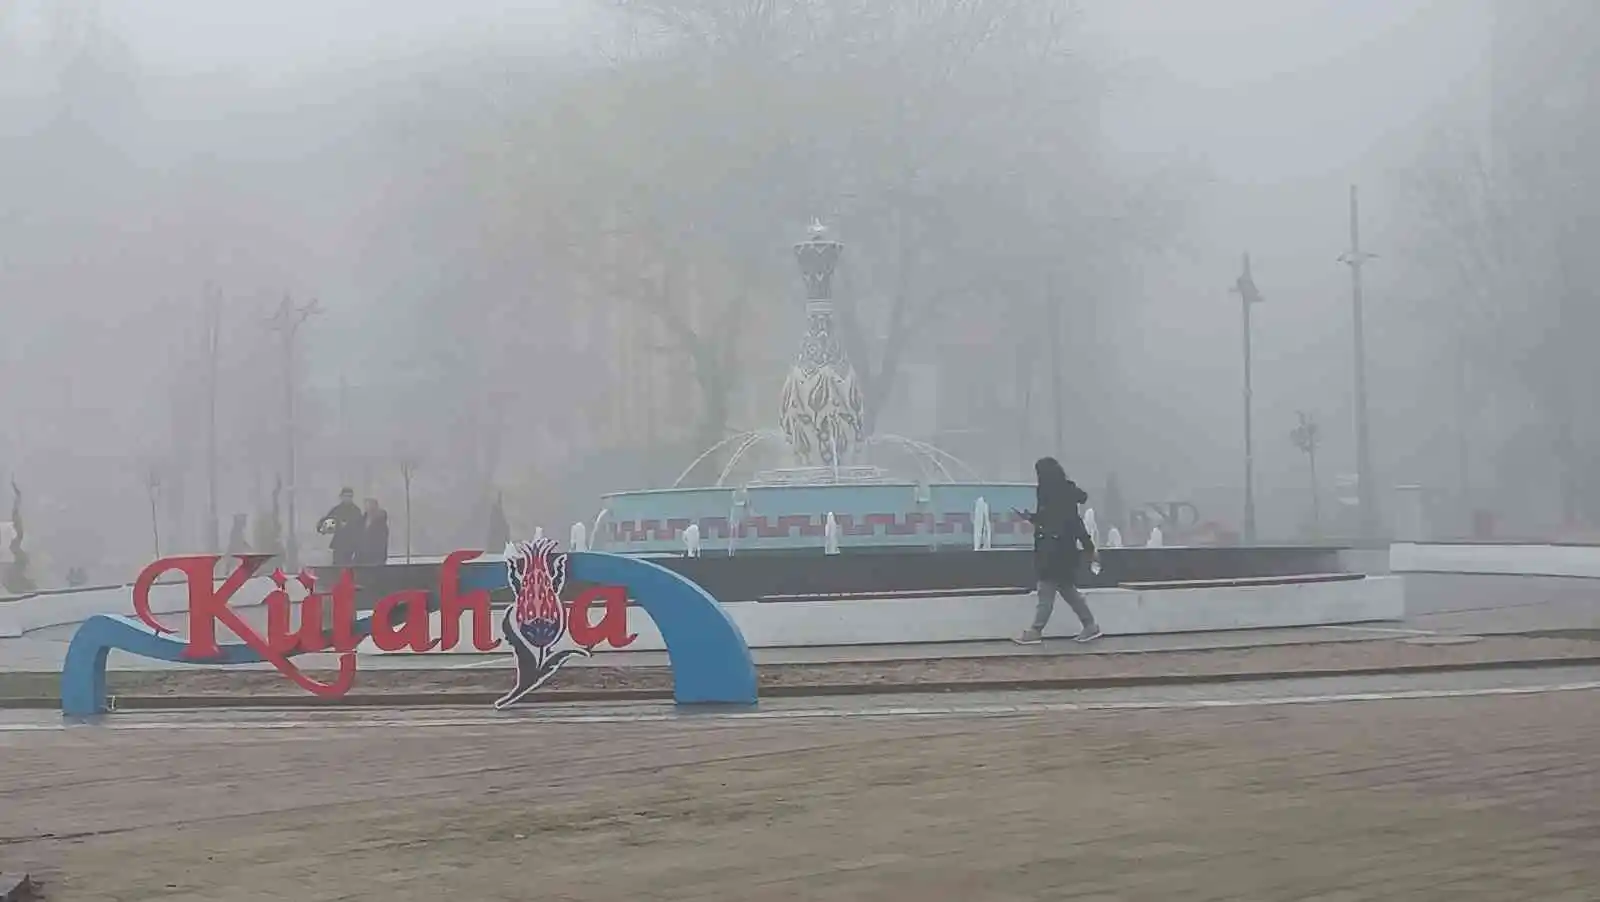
x,y
1024,405
1463,449
344,430
1355,258
290,542
155,522
1316,502
407,468
1245,287
1055,366
213,340
1249,440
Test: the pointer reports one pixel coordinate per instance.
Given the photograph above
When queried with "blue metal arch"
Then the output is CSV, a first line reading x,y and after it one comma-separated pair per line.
x,y
710,660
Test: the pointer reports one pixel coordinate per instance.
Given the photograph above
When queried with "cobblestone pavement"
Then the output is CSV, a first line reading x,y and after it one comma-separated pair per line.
x,y
1382,687
1444,798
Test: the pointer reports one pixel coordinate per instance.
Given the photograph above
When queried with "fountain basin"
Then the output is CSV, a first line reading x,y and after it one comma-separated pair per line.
x,y
769,517
891,595
794,622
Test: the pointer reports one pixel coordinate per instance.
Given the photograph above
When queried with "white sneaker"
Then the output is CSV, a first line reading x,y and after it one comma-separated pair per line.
x,y
1029,637
1089,634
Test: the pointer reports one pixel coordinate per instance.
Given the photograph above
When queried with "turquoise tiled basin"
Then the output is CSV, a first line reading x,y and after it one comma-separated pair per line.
x,y
793,516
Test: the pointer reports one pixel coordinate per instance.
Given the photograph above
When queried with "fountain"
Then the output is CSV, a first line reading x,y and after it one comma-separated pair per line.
x,y
819,479
820,533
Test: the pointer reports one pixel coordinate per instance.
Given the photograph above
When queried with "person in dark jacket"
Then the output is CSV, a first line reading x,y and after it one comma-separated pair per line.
x,y
1058,531
343,522
374,547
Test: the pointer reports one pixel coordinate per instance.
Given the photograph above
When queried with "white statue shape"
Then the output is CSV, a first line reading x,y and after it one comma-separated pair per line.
x,y
538,533
1155,538
830,535
691,540
982,529
579,537
1114,538
1089,526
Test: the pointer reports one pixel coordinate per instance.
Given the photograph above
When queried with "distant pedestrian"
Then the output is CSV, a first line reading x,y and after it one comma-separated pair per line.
x,y
343,522
1058,531
374,546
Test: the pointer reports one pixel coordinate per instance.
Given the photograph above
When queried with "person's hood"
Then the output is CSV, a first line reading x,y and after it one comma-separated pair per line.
x,y
1076,493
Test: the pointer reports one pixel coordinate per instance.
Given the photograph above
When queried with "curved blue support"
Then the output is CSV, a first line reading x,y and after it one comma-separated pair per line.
x,y
83,673
710,661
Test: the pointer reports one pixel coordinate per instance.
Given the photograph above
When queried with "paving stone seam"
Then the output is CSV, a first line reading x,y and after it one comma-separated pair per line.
x,y
579,715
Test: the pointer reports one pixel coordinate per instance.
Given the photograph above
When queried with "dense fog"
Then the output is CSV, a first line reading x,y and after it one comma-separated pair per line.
x,y
549,246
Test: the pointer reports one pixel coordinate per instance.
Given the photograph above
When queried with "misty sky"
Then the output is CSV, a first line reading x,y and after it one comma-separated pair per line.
x,y
1235,74
1280,104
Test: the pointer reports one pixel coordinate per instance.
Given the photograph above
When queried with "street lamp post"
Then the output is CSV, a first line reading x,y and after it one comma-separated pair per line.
x,y
213,312
1355,258
1245,288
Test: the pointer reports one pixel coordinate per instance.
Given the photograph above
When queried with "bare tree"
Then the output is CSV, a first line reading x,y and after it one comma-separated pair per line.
x,y
287,321
16,577
1461,238
408,469
1307,436
957,155
1505,246
152,487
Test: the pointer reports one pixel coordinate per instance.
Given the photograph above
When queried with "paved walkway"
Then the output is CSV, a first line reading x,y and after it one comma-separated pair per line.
x,y
1453,603
1069,662
1486,798
1313,690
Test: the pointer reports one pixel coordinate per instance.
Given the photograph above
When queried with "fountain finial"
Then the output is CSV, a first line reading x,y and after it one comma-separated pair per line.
x,y
817,256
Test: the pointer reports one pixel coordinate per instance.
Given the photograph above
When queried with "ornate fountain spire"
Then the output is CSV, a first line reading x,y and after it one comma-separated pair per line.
x,y
822,413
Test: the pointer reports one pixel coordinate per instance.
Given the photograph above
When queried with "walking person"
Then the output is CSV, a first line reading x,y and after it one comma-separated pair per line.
x,y
374,545
1058,532
343,522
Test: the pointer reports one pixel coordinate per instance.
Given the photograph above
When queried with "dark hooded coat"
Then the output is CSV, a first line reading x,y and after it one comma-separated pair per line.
x,y
374,541
1058,530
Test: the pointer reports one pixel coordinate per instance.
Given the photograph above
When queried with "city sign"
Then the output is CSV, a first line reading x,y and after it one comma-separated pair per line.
x,y
708,655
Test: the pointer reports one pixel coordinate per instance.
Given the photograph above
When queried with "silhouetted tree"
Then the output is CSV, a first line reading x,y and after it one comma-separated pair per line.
x,y
499,528
17,579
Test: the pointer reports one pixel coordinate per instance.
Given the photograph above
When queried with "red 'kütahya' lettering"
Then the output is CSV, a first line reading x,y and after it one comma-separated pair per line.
x,y
399,621
612,629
